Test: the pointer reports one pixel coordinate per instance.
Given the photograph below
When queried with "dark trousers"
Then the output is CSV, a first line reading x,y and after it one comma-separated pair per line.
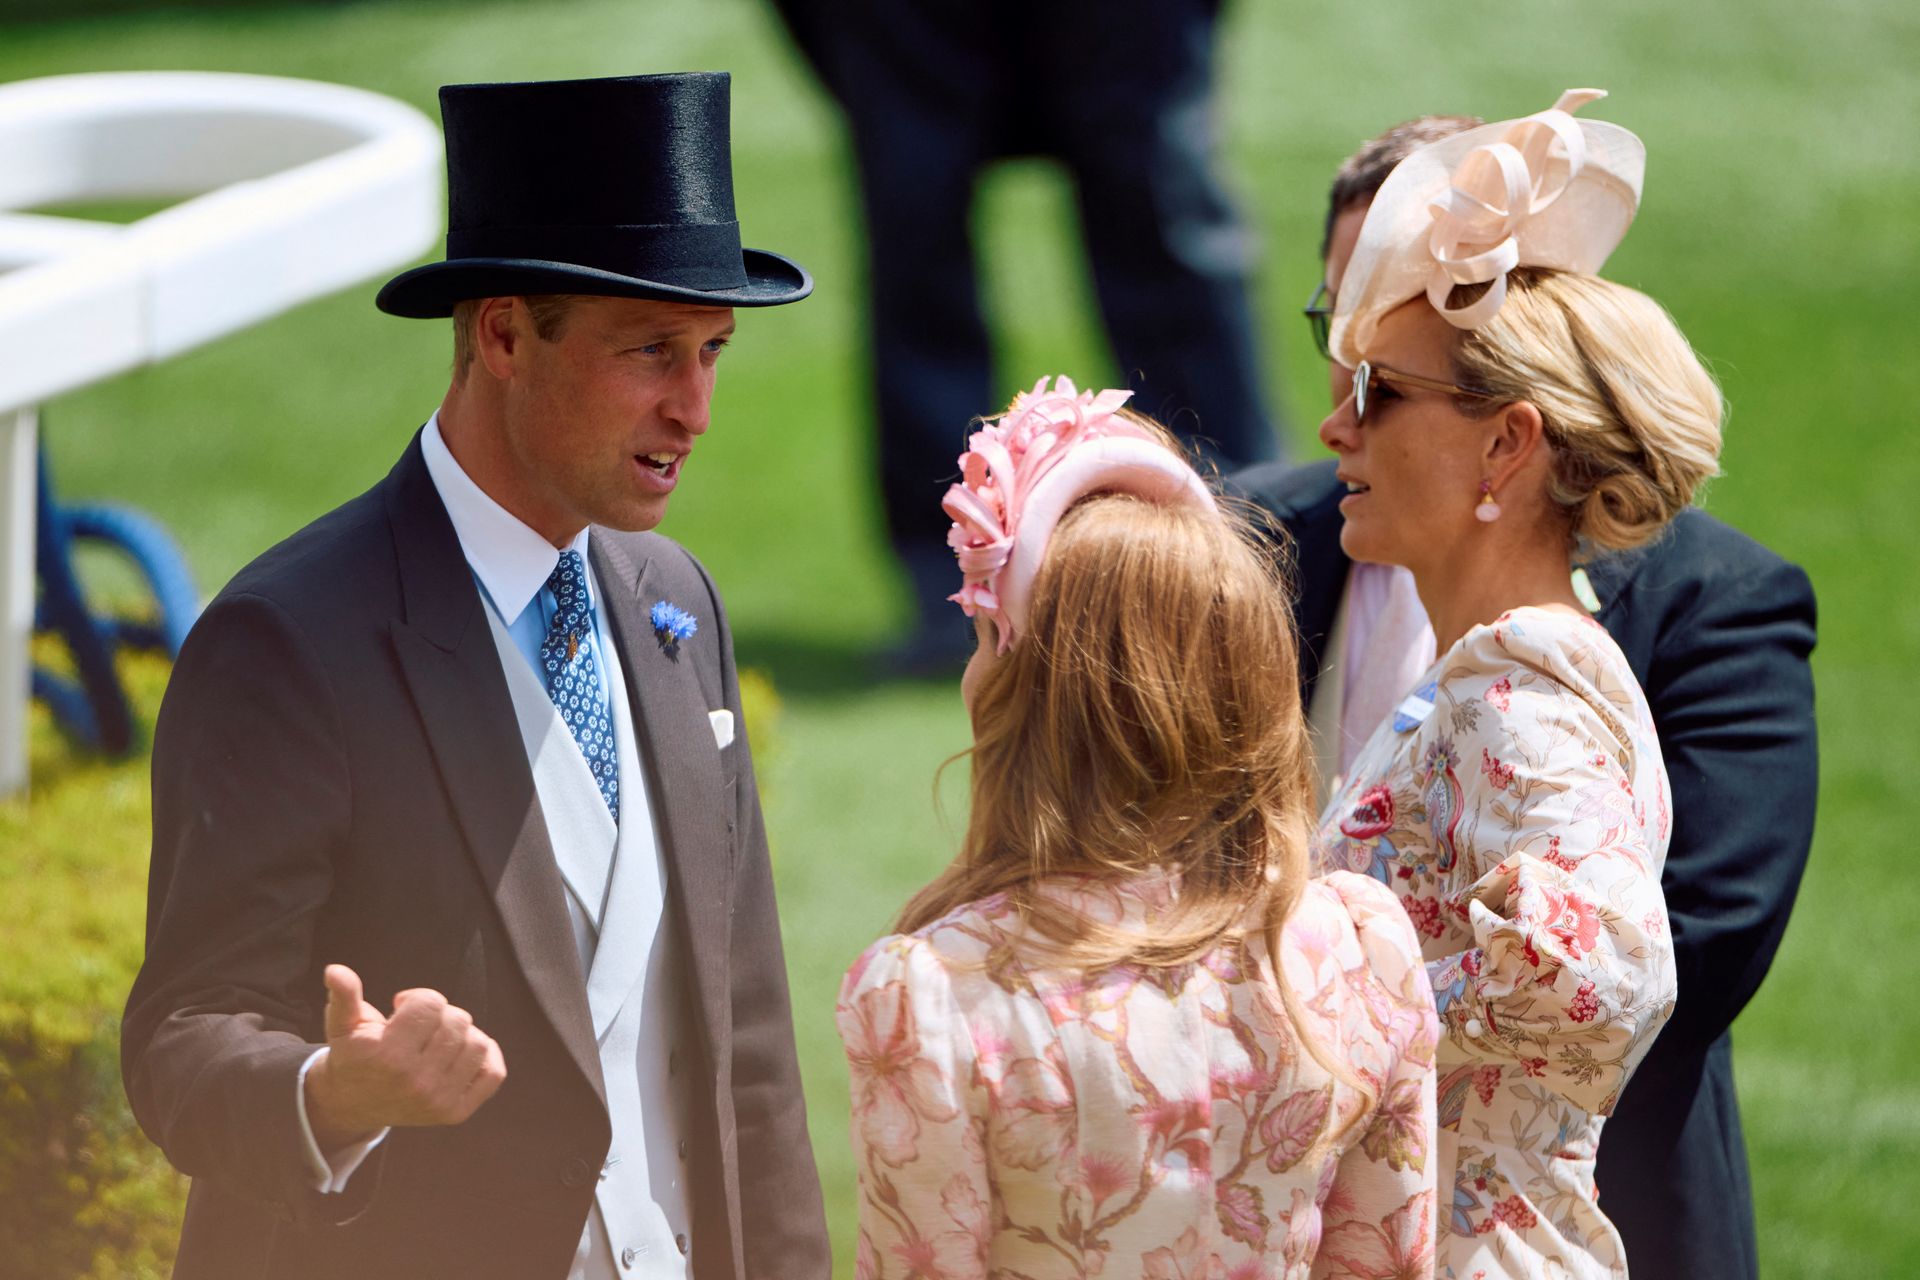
x,y
1119,92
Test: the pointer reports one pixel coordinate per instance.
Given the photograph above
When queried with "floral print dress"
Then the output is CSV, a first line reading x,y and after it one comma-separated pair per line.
x,y
1021,1122
1517,804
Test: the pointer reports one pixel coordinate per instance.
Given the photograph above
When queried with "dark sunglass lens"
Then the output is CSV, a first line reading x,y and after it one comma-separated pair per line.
x,y
1319,314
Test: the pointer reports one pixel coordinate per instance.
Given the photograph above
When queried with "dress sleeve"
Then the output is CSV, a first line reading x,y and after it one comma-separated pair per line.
x,y
918,1127
1571,970
1380,1210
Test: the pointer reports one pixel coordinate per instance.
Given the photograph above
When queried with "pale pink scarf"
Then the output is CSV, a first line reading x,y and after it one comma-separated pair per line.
x,y
1389,645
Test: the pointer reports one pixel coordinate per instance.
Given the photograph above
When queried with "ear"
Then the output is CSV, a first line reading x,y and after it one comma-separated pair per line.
x,y
499,327
1515,437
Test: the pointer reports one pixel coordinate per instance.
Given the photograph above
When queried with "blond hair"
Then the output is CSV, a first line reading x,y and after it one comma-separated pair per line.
x,y
1149,715
1632,415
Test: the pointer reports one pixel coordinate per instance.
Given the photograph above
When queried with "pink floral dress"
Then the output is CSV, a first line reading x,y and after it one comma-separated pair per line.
x,y
1517,804
1021,1122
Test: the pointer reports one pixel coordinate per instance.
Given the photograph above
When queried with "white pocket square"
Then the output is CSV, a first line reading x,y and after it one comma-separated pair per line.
x,y
722,722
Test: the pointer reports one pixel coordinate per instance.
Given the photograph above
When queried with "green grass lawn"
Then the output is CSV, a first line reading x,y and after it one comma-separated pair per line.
x,y
1779,226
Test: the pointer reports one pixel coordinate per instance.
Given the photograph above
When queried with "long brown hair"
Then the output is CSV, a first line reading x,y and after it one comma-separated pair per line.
x,y
1148,715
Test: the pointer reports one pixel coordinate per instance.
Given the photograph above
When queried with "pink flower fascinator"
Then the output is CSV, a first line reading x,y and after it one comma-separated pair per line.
x,y
1024,469
1545,190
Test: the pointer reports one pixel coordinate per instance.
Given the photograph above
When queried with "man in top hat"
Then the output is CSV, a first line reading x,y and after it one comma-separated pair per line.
x,y
1718,630
462,957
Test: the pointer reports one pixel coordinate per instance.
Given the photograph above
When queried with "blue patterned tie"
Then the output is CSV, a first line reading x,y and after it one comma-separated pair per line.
x,y
573,675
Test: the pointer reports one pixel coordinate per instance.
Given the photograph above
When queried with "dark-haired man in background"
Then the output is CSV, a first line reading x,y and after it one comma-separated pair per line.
x,y
1718,630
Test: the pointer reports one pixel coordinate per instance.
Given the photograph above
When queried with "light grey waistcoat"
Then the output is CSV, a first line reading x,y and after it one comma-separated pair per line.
x,y
616,902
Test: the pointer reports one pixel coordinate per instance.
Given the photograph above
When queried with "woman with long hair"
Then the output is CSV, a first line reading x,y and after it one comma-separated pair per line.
x,y
1512,413
1123,1033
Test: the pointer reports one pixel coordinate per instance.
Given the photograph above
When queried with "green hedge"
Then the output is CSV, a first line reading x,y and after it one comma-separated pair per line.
x,y
82,1192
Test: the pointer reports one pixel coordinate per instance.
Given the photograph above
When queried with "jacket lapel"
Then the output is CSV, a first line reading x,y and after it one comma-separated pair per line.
x,y
683,768
459,689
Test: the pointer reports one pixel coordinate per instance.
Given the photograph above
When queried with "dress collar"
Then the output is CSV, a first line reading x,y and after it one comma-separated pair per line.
x,y
510,559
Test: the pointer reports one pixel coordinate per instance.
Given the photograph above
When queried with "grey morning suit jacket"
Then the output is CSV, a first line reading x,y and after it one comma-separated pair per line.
x,y
338,777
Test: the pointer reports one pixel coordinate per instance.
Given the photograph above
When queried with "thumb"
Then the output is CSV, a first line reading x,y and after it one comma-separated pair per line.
x,y
347,1008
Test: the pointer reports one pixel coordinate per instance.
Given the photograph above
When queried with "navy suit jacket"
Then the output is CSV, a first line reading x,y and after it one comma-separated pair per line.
x,y
1718,630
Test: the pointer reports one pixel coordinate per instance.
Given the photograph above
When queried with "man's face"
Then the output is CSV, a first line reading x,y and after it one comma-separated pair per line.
x,y
600,420
1346,233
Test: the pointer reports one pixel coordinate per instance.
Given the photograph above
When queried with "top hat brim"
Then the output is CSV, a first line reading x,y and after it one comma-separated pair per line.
x,y
430,292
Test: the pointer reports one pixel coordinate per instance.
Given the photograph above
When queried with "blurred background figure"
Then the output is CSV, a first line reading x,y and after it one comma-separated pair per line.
x,y
1120,93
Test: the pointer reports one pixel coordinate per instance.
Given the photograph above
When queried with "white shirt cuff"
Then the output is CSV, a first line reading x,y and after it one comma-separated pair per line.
x,y
329,1173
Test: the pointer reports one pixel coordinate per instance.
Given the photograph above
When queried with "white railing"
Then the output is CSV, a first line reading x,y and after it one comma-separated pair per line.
x,y
286,190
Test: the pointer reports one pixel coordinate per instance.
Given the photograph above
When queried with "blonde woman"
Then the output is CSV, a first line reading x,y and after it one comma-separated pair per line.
x,y
1123,1034
1511,410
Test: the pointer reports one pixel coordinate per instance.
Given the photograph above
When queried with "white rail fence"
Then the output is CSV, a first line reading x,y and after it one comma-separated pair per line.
x,y
285,190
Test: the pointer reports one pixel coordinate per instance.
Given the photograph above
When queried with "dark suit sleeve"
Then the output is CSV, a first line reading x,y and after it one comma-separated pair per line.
x,y
250,799
784,1221
1732,696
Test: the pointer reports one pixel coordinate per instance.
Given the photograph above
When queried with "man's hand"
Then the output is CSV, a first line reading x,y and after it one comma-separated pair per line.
x,y
427,1064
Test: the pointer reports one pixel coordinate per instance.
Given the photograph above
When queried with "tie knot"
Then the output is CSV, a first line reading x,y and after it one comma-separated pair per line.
x,y
568,583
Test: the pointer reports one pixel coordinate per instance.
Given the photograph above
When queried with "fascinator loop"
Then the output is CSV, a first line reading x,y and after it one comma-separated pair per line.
x,y
1023,471
1545,190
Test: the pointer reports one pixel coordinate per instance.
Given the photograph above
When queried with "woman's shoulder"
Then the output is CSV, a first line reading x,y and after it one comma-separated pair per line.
x,y
1345,911
1567,647
1535,663
959,943
1376,987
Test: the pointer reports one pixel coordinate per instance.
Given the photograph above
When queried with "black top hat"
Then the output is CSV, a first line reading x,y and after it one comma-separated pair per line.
x,y
621,187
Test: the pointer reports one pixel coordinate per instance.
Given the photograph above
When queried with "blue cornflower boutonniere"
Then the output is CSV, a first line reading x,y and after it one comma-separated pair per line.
x,y
671,625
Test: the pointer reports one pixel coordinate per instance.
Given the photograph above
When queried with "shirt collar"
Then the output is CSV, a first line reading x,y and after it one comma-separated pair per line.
x,y
512,561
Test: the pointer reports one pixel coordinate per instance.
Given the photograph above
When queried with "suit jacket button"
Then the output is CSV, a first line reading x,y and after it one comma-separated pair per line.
x,y
683,1148
681,1241
627,1255
575,1172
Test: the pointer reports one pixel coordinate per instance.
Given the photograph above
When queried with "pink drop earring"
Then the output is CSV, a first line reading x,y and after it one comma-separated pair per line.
x,y
1488,511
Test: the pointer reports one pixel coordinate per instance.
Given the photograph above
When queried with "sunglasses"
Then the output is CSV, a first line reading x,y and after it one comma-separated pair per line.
x,y
1367,377
1319,314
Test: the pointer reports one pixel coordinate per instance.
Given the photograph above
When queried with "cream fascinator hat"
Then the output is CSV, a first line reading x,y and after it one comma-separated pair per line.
x,y
1545,190
1023,470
